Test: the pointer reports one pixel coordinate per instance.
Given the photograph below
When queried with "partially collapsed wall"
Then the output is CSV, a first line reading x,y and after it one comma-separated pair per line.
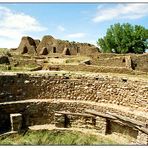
x,y
138,62
50,45
27,45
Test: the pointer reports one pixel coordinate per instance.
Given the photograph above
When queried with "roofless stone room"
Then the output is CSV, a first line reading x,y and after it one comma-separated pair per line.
x,y
71,78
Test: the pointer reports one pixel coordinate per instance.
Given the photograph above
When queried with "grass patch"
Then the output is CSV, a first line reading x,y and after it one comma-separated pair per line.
x,y
54,137
4,51
25,68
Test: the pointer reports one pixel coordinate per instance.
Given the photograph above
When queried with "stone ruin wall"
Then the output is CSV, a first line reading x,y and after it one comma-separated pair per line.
x,y
138,62
38,113
52,47
49,45
38,97
102,89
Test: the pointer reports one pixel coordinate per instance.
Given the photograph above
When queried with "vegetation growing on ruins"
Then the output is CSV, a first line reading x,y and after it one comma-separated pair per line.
x,y
4,51
55,137
124,38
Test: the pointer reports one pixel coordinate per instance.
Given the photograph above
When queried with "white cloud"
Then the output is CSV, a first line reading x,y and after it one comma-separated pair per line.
x,y
9,43
121,11
76,35
100,6
14,25
61,28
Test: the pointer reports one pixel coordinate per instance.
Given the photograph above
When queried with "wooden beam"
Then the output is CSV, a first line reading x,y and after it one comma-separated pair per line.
x,y
145,130
76,114
93,112
121,120
128,120
112,116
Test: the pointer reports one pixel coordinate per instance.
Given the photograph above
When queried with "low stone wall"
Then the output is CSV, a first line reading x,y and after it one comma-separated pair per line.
x,y
80,120
123,130
90,68
140,62
43,112
137,62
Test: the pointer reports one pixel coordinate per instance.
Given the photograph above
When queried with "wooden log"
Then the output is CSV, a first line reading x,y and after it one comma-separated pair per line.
x,y
121,120
93,112
125,124
128,120
76,114
145,130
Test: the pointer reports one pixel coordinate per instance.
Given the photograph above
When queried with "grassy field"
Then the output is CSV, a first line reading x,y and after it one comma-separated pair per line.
x,y
55,137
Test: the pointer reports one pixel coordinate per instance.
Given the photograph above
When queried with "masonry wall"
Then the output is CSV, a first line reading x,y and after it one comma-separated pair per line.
x,y
139,62
101,89
38,96
114,61
123,130
42,112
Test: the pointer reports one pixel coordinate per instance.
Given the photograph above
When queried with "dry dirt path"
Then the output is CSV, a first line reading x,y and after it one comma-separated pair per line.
x,y
139,77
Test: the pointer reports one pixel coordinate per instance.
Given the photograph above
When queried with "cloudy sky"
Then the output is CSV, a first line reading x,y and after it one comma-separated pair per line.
x,y
74,22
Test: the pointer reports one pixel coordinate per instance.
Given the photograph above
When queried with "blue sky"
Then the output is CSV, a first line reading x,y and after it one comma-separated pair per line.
x,y
82,22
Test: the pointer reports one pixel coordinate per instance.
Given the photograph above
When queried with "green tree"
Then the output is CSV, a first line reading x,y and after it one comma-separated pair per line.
x,y
124,38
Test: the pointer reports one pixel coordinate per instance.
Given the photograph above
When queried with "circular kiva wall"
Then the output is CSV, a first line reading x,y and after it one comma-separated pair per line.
x,y
37,97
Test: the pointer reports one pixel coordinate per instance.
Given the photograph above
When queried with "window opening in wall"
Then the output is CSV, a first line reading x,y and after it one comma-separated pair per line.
x,y
78,50
123,60
25,50
5,124
108,126
54,49
67,122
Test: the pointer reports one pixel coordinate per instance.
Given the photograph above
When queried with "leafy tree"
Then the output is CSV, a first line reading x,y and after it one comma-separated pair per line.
x,y
124,38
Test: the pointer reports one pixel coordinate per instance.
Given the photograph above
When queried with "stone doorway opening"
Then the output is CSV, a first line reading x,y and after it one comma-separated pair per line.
x,y
5,124
54,49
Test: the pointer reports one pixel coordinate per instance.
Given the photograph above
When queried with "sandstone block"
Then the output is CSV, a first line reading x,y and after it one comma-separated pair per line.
x,y
142,138
101,125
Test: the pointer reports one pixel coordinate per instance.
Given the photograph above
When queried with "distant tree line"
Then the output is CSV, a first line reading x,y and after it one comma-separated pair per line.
x,y
124,38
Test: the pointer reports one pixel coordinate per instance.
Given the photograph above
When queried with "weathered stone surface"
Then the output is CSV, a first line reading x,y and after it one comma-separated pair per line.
x,y
37,41
142,138
59,120
79,120
50,45
101,125
104,89
27,45
72,94
128,62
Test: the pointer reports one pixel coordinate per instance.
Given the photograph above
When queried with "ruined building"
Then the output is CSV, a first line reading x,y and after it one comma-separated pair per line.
x,y
50,45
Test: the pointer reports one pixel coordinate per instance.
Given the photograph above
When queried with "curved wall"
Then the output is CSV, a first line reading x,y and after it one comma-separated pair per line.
x,y
120,91
38,96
